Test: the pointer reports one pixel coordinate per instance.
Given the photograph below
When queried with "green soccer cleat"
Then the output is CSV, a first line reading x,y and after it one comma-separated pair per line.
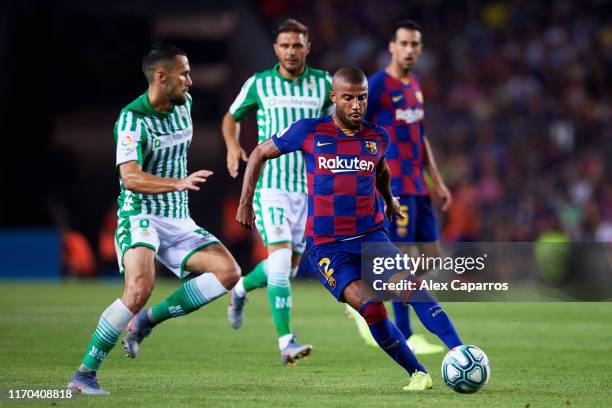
x,y
419,345
419,381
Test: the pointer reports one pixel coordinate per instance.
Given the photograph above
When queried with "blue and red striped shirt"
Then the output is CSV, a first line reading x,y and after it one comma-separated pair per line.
x,y
341,171
398,108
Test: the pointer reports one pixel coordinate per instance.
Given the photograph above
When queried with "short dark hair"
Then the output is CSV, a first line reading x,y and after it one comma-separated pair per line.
x,y
350,74
159,54
290,26
406,24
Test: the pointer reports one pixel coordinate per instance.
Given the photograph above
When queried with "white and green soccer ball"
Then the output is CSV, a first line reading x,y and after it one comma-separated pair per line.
x,y
466,369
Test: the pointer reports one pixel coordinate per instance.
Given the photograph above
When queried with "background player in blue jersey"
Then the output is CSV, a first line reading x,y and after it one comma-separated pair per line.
x,y
347,174
396,104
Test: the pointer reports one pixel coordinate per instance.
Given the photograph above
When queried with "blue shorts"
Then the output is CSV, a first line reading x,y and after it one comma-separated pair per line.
x,y
337,264
419,224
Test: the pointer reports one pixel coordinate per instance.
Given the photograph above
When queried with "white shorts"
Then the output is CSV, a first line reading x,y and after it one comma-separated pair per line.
x,y
174,240
280,217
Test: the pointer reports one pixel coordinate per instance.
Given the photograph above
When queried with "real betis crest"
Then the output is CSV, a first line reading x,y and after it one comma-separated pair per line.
x,y
370,147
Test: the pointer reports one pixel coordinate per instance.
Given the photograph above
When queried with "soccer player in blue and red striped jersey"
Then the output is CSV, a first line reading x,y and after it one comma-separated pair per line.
x,y
347,175
396,104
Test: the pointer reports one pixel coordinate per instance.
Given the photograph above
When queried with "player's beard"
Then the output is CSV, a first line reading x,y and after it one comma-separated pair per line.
x,y
407,67
178,98
404,67
349,123
296,70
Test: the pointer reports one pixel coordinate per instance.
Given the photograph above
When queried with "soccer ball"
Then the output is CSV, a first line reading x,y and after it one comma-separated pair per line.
x,y
466,369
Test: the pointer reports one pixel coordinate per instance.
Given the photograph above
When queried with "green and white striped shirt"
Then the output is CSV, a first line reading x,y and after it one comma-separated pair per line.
x,y
279,103
159,143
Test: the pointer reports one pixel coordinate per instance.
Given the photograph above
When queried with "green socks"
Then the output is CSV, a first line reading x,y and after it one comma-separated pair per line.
x,y
279,289
190,296
273,272
111,323
279,298
257,278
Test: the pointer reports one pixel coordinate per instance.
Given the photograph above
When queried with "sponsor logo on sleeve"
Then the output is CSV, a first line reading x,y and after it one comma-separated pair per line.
x,y
126,143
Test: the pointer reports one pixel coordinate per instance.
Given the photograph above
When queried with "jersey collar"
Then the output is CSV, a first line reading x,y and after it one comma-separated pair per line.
x,y
148,109
399,81
278,75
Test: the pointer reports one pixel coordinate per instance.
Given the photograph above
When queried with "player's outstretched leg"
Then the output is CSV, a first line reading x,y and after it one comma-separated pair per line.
x,y
434,318
139,282
279,298
190,296
417,342
391,340
387,335
257,278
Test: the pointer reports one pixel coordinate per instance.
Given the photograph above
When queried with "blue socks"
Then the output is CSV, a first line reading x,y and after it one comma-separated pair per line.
x,y
388,337
401,315
434,318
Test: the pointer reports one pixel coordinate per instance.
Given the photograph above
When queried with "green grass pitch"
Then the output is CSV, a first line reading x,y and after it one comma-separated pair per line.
x,y
542,354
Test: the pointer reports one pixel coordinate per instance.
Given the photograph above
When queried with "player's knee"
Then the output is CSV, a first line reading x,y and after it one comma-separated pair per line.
x,y
228,274
279,267
234,274
373,312
136,296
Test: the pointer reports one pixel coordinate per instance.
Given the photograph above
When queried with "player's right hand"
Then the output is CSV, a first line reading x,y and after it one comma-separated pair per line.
x,y
245,216
234,154
393,208
191,181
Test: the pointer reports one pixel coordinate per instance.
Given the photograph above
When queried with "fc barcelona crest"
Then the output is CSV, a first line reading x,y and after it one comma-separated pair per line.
x,y
370,147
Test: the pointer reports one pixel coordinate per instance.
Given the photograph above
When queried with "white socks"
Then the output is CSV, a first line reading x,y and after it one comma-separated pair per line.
x,y
278,267
283,341
239,289
209,286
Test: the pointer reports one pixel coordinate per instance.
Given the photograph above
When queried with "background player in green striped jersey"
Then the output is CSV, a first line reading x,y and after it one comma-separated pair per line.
x,y
153,134
281,95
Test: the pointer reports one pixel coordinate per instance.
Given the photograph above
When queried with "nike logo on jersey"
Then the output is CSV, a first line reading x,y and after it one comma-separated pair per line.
x,y
397,98
320,144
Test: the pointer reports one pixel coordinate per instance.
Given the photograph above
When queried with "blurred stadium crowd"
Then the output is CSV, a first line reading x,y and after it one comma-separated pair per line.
x,y
518,105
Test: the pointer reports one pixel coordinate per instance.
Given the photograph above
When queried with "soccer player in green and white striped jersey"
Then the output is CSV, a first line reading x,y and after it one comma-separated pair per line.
x,y
290,91
152,135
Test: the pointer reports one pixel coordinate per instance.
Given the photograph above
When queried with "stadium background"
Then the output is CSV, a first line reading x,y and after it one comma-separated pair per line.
x,y
518,108
518,103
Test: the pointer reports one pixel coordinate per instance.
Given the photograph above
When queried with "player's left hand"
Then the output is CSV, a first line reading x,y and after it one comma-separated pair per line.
x,y
245,216
446,196
393,207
